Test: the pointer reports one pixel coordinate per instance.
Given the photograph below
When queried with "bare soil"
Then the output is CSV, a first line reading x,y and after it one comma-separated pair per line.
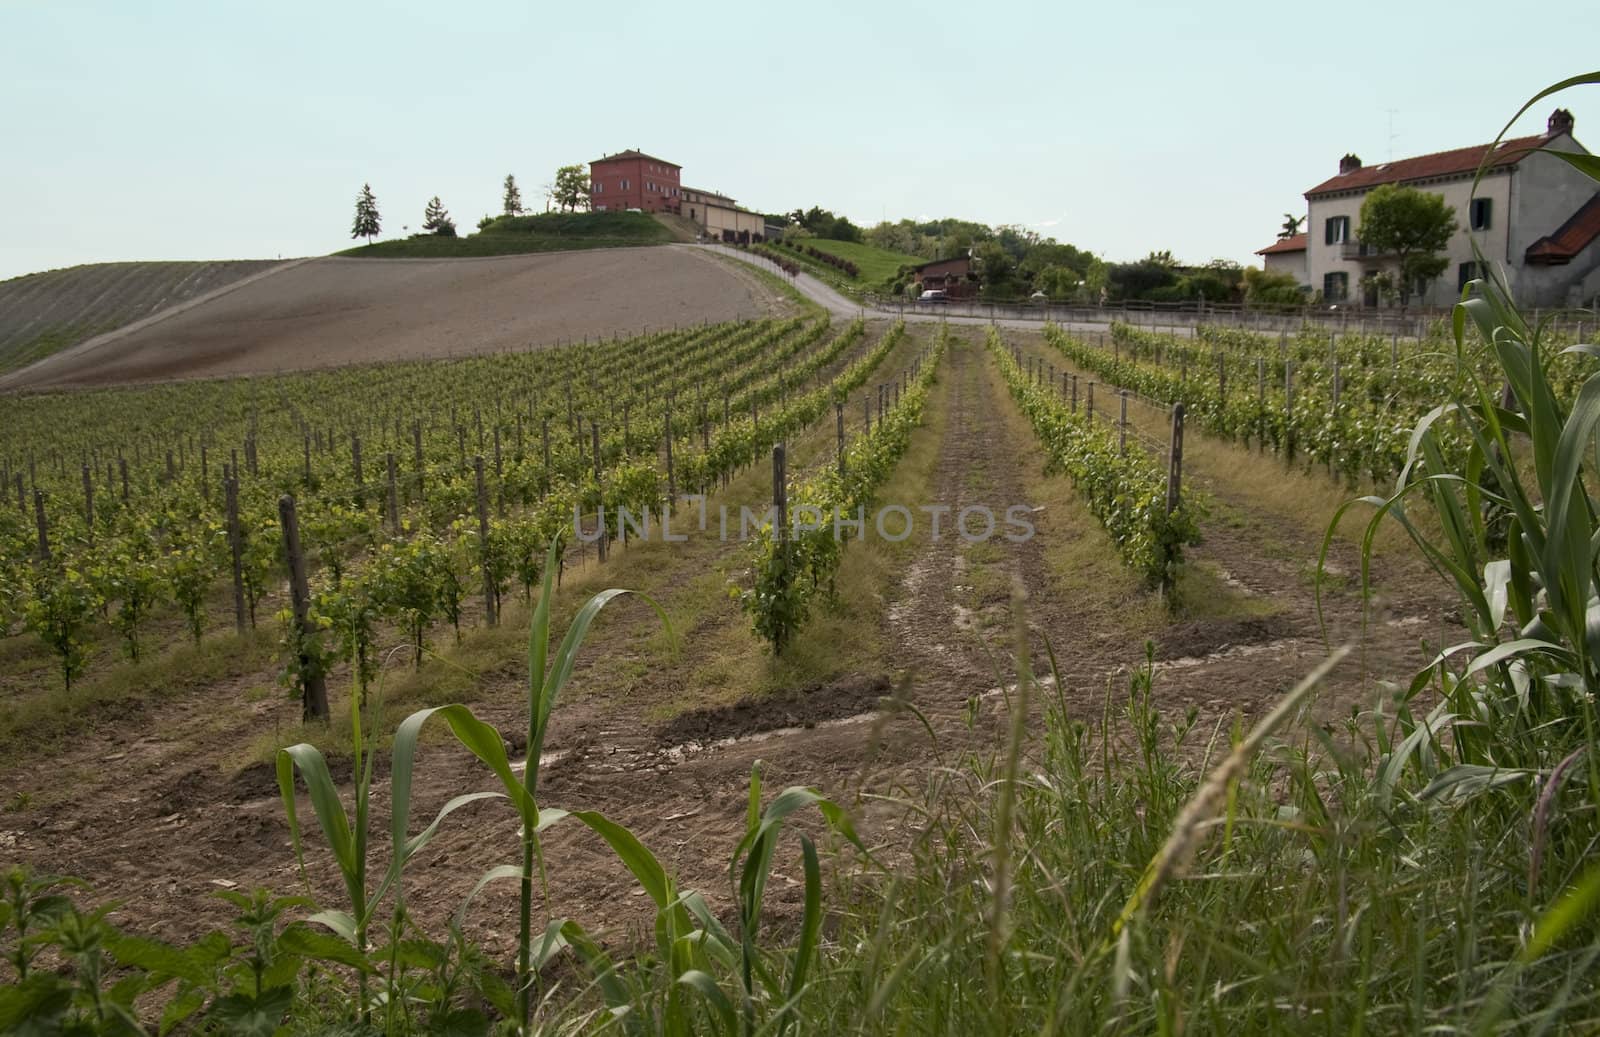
x,y
338,311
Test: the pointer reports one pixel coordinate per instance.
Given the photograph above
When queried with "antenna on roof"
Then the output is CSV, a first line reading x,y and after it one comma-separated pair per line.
x,y
1392,134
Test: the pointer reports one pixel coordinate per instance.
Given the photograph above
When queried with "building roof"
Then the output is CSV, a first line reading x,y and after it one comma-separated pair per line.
x,y
941,262
1572,237
623,156
715,195
1459,162
1293,243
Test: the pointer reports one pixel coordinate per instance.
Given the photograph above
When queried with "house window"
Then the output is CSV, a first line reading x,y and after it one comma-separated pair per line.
x,y
597,187
1469,271
1336,286
1336,231
1482,210
624,185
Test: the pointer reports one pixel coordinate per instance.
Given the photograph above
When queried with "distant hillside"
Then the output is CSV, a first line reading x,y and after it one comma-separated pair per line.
x,y
510,235
41,314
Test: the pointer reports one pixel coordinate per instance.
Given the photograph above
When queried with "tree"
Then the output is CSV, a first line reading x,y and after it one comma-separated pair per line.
x,y
570,191
435,220
1058,282
1266,289
1412,226
824,224
997,270
1291,225
1138,280
367,223
513,198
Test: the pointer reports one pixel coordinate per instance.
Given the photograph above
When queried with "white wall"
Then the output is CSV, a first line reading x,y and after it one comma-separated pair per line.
x,y
1291,263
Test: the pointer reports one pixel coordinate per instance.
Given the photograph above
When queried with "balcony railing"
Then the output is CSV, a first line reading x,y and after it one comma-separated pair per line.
x,y
1359,250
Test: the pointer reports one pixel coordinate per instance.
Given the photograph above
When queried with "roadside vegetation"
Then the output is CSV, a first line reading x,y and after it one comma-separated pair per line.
x,y
1421,864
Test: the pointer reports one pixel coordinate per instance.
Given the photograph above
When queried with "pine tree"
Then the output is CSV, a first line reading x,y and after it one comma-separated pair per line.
x,y
435,220
513,200
367,223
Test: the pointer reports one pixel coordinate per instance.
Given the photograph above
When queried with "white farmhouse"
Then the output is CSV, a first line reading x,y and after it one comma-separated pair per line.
x,y
1534,217
1287,255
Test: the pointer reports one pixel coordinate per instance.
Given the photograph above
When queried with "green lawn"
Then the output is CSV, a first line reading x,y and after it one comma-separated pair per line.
x,y
877,265
546,232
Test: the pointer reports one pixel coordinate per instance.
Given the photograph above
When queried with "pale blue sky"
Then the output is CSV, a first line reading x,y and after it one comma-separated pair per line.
x,y
187,130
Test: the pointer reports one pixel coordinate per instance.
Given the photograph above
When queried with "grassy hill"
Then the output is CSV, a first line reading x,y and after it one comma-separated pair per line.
x,y
877,265
511,235
43,313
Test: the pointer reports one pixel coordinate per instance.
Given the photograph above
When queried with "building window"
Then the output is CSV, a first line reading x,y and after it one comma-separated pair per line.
x,y
1482,212
1336,231
624,185
597,187
1336,286
1469,271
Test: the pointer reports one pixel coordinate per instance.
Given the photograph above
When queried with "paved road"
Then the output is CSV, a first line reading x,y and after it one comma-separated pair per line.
x,y
842,306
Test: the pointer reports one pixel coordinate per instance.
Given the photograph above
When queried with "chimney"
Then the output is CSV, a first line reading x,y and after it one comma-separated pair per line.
x,y
1349,164
1560,122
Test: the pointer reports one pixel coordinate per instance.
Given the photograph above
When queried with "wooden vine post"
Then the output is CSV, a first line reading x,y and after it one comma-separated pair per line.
x,y
1175,462
483,542
546,435
313,686
230,492
416,449
599,477
42,526
780,492
672,485
1122,424
838,415
88,501
394,495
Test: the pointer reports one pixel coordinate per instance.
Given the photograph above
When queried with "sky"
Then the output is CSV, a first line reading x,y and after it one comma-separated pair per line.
x,y
169,129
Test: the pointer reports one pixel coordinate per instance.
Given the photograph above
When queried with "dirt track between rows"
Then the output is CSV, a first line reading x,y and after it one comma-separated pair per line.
x,y
337,311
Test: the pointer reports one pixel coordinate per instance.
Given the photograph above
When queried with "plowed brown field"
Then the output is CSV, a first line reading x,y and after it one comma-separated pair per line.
x,y
337,311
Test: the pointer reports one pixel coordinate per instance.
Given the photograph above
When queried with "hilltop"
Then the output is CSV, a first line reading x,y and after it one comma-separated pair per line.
x,y
513,235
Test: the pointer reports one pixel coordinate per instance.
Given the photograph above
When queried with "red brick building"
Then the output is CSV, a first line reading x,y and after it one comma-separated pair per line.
x,y
634,180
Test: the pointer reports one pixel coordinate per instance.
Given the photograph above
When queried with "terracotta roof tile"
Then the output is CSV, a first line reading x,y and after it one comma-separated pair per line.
x,y
1572,237
1459,162
632,154
1293,243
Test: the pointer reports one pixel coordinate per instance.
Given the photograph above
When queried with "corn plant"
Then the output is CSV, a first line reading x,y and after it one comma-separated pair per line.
x,y
348,834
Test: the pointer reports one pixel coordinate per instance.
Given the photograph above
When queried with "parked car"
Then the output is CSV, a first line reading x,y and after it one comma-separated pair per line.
x,y
932,295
